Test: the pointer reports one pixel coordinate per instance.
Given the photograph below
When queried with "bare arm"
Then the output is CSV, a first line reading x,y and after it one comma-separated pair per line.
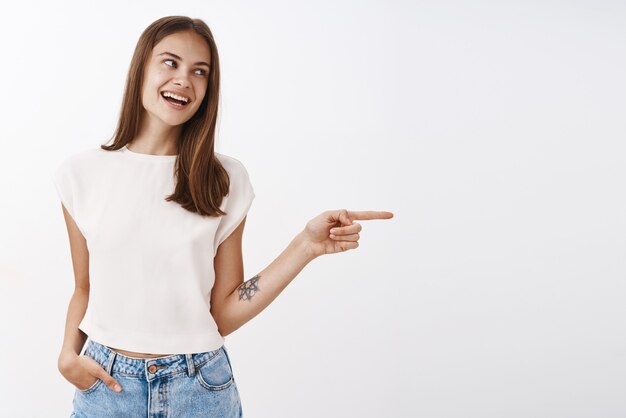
x,y
252,296
234,302
74,338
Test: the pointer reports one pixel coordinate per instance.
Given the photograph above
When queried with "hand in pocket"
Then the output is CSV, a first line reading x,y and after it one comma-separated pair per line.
x,y
85,372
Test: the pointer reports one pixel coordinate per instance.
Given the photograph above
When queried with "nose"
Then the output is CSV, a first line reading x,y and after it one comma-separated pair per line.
x,y
181,80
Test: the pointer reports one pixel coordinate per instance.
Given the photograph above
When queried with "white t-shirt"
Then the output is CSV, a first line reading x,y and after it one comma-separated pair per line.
x,y
150,261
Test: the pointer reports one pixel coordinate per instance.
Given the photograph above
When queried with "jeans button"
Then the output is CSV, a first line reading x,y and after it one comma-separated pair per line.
x,y
152,368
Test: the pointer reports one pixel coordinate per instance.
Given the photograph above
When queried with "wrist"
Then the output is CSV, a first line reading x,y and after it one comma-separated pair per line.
x,y
303,246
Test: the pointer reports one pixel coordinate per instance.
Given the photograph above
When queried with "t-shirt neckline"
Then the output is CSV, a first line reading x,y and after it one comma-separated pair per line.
x,y
147,157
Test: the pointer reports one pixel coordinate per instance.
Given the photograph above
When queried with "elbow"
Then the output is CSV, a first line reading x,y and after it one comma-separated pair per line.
x,y
222,326
224,330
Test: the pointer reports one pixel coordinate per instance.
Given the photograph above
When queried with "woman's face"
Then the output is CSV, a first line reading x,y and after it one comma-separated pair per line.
x,y
179,64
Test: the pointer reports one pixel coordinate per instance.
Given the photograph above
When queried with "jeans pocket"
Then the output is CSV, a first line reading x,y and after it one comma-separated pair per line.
x,y
215,373
91,388
95,384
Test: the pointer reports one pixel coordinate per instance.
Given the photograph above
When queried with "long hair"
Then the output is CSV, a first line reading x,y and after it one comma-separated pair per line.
x,y
202,181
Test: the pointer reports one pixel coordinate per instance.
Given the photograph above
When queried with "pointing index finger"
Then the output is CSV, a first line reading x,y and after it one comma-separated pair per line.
x,y
370,214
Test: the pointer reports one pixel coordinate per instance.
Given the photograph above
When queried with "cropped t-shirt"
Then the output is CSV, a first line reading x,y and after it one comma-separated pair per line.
x,y
150,261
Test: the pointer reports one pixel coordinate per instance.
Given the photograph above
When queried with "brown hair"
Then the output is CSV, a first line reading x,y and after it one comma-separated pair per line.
x,y
202,181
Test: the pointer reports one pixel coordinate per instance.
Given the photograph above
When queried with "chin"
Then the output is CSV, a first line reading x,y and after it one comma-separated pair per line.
x,y
174,121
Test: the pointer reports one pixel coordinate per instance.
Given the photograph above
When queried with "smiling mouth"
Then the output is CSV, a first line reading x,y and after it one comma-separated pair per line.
x,y
174,102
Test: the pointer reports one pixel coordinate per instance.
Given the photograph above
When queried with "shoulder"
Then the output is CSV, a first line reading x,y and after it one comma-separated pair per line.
x,y
233,166
82,159
240,183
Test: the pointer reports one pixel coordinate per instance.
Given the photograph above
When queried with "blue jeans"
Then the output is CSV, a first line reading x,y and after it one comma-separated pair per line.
x,y
179,385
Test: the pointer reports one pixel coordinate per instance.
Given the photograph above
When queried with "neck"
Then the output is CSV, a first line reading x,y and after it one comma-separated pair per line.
x,y
156,138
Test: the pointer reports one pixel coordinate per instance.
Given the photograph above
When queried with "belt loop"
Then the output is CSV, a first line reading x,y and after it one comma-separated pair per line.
x,y
191,369
227,358
112,355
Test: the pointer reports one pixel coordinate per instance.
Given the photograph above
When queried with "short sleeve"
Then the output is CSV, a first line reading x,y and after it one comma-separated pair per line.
x,y
238,201
65,184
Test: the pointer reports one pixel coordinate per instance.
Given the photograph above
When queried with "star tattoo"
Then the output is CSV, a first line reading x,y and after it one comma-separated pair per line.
x,y
249,288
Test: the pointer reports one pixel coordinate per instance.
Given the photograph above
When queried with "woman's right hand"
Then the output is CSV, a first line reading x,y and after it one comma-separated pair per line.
x,y
83,372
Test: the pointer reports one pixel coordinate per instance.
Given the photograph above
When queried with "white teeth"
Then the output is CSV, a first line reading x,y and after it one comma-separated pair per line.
x,y
175,96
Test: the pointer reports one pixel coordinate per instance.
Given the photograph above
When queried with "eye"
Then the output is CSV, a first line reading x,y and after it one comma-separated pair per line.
x,y
202,72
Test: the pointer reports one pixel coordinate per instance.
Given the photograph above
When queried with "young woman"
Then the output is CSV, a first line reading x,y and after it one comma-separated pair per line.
x,y
155,222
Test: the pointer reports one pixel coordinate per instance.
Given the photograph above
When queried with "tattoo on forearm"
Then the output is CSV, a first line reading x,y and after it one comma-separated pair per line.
x,y
249,288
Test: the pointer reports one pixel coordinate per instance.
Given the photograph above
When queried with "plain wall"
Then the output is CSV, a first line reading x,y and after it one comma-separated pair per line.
x,y
493,130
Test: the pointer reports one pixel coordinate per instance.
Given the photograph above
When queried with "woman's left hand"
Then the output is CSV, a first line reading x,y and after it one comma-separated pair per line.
x,y
334,231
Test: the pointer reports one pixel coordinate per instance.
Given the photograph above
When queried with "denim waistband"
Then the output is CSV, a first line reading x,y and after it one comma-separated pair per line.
x,y
151,368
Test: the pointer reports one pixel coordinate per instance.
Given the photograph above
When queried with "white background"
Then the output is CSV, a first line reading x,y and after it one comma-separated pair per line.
x,y
493,130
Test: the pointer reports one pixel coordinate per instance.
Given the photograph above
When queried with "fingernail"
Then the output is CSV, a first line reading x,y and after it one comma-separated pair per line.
x,y
117,388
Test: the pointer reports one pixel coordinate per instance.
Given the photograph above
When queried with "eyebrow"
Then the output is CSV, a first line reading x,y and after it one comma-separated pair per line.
x,y
179,58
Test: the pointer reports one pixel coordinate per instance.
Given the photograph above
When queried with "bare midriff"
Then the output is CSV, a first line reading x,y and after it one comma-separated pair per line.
x,y
138,355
